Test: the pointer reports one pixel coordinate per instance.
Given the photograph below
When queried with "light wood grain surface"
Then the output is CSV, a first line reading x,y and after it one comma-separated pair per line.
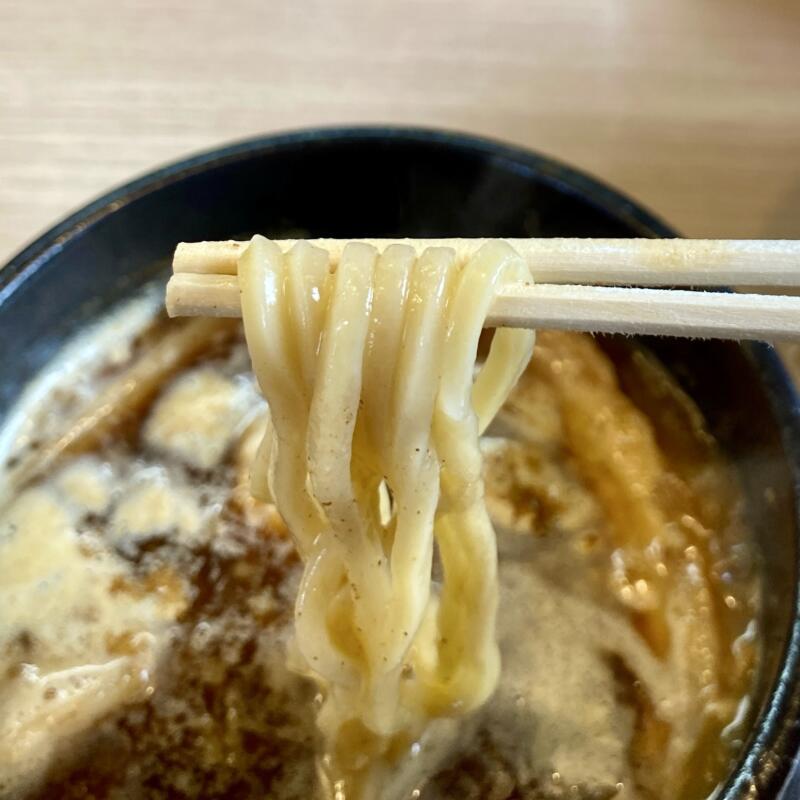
x,y
691,106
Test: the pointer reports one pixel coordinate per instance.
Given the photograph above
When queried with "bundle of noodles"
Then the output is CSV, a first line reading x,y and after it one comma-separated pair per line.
x,y
372,457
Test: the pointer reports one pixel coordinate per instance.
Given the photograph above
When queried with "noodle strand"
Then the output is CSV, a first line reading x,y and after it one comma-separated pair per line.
x,y
372,457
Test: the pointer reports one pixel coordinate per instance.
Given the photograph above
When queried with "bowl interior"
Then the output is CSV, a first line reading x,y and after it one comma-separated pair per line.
x,y
407,183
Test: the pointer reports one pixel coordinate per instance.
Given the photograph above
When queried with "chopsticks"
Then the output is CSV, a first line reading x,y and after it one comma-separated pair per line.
x,y
204,283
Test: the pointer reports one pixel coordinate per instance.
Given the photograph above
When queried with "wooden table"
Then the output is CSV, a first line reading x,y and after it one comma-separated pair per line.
x,y
691,106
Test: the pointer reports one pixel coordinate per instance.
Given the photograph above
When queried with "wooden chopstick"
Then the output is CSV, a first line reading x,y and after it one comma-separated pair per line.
x,y
204,283
599,309
644,262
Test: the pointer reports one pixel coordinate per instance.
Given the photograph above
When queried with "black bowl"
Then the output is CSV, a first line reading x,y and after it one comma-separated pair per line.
x,y
389,182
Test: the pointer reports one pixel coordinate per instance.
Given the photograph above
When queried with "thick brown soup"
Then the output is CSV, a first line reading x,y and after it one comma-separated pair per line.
x,y
145,639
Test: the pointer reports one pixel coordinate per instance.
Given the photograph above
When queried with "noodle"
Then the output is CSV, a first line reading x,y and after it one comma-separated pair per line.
x,y
372,457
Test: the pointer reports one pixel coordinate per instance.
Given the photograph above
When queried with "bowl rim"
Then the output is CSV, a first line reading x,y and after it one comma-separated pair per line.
x,y
768,758
25,262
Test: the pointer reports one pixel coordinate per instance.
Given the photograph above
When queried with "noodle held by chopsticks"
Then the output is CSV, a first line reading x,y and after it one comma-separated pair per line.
x,y
371,456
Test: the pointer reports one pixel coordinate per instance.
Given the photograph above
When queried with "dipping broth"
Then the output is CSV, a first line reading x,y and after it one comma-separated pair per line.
x,y
147,598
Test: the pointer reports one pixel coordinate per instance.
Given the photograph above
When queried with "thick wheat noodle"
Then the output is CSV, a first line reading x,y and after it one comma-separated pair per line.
x,y
371,456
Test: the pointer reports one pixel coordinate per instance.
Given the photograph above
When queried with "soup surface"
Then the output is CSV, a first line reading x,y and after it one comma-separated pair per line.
x,y
146,628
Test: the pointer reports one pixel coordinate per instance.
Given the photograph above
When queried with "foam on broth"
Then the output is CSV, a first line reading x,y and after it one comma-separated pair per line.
x,y
148,599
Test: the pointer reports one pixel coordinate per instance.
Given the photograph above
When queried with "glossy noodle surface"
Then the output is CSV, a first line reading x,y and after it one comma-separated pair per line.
x,y
372,458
